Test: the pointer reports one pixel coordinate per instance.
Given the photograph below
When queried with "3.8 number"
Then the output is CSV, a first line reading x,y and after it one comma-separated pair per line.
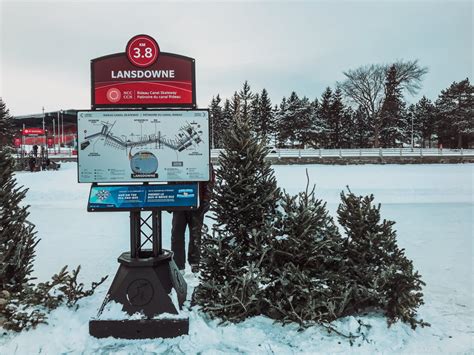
x,y
138,54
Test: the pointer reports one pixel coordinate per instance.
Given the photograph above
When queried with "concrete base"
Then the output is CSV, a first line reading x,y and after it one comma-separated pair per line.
x,y
139,329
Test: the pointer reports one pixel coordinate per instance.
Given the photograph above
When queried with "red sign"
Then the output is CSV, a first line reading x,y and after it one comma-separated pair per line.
x,y
142,51
33,131
17,142
50,142
157,79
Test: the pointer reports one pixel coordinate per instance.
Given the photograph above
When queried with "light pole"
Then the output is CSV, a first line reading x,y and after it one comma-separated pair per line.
x,y
62,127
43,118
54,135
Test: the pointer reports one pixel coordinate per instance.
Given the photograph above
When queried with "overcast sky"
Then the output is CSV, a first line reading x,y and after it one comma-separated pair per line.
x,y
46,47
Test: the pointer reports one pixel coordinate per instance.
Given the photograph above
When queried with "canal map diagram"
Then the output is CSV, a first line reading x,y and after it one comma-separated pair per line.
x,y
136,146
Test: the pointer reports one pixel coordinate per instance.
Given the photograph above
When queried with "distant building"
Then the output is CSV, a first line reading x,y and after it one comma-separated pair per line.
x,y
60,127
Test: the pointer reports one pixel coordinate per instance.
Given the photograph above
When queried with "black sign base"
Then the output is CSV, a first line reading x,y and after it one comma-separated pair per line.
x,y
143,285
139,329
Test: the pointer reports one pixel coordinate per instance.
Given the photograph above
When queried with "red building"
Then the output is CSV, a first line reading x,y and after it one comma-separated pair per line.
x,y
60,128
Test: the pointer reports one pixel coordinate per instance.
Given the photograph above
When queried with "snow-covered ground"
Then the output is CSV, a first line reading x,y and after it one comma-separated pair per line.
x,y
433,208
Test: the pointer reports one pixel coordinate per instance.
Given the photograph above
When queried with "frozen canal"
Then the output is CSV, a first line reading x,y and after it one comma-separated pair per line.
x,y
432,205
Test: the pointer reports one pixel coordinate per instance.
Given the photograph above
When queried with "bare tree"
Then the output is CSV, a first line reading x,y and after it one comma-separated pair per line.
x,y
409,75
365,86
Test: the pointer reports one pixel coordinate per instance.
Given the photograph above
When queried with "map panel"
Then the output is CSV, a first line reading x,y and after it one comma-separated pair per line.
x,y
140,146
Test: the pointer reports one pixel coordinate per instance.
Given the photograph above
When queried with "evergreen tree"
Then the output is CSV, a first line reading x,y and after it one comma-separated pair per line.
x,y
423,114
315,127
346,132
254,117
290,123
235,255
22,304
393,128
235,105
6,125
304,118
335,119
455,112
216,129
310,280
227,119
266,122
362,130
17,238
275,132
245,97
282,129
384,276
324,118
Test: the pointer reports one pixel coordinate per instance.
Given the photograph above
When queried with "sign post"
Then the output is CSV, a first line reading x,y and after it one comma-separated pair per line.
x,y
143,132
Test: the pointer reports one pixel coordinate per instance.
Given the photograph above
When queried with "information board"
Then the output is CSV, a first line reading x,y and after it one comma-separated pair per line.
x,y
143,146
143,197
168,82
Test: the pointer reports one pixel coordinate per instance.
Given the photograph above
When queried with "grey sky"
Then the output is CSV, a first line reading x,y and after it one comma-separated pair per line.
x,y
46,47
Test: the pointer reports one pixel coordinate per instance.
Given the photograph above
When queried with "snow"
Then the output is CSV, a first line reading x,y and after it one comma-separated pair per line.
x,y
433,208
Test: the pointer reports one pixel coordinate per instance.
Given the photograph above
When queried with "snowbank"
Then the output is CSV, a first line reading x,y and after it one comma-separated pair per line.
x,y
433,207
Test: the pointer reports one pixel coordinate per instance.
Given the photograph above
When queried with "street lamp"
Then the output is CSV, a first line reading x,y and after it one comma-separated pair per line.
x,y
62,127
54,134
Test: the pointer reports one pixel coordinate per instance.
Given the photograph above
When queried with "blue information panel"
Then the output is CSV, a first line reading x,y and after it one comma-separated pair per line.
x,y
143,197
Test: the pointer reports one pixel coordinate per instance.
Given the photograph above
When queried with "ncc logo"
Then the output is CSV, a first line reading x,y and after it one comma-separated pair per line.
x,y
114,95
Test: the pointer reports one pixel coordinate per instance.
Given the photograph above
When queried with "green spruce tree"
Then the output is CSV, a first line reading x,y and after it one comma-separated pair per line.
x,y
6,125
393,118
245,99
324,119
236,254
215,111
23,304
336,116
385,277
309,278
455,107
266,124
17,238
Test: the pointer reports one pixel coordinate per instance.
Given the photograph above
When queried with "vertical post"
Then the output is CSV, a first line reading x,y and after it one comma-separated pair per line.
x,y
62,127
156,225
54,135
135,236
23,153
59,137
43,118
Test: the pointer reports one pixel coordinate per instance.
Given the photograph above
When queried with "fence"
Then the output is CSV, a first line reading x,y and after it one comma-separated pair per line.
x,y
328,153
365,152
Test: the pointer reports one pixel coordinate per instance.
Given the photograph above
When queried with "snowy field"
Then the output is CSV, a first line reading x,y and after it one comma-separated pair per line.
x,y
433,208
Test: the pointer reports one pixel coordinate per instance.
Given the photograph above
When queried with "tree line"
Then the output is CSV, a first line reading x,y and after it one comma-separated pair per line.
x,y
367,109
